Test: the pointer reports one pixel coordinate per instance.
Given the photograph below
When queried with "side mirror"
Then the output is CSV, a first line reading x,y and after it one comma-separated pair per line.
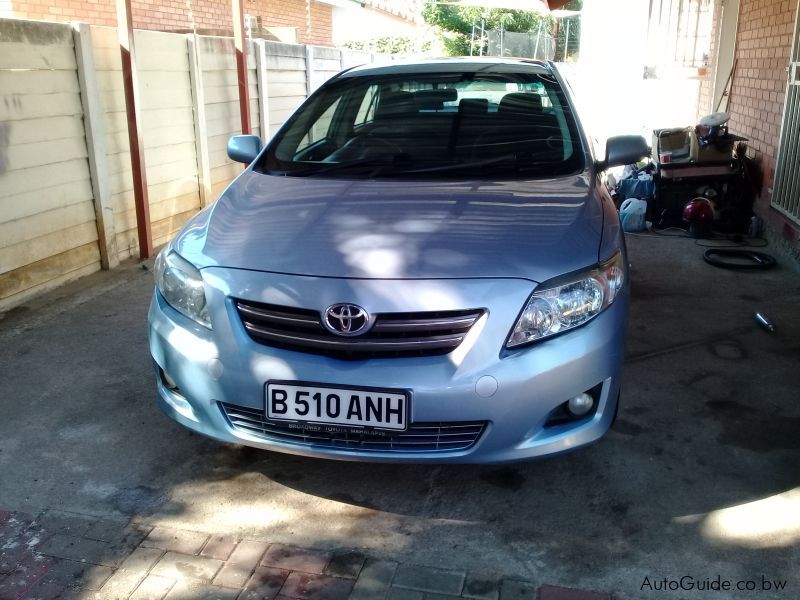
x,y
244,148
625,150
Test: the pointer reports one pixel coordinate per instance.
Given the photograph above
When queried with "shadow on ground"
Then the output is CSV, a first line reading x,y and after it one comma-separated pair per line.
x,y
709,421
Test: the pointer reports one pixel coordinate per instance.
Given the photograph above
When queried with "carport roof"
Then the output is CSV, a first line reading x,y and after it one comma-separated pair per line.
x,y
537,5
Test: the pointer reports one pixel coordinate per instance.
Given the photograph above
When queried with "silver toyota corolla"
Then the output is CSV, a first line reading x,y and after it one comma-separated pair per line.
x,y
422,265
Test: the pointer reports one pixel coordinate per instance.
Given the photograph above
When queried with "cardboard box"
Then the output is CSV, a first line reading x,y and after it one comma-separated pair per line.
x,y
715,152
673,145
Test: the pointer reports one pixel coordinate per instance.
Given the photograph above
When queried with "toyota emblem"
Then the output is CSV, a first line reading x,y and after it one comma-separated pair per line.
x,y
346,319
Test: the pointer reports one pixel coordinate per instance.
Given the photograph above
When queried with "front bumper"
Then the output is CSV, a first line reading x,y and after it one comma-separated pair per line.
x,y
226,366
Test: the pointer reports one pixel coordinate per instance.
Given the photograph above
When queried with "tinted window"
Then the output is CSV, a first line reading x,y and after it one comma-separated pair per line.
x,y
490,125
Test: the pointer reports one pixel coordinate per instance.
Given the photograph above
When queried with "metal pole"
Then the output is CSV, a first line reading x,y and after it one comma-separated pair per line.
x,y
472,39
241,63
131,87
483,24
556,24
566,42
538,36
501,39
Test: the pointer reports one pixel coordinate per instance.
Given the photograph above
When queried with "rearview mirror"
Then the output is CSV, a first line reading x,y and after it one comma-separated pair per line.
x,y
625,150
244,148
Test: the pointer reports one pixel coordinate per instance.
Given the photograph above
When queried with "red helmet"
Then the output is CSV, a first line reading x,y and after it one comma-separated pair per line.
x,y
699,210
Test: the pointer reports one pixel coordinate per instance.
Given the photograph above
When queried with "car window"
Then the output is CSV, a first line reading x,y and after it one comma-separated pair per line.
x,y
320,128
366,112
493,125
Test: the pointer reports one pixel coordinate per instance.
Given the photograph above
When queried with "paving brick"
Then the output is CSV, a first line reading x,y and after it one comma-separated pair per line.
x,y
56,521
374,580
308,586
512,589
46,591
345,564
107,530
17,539
240,565
119,550
25,577
131,572
154,587
13,523
4,516
293,558
264,584
176,540
12,552
69,573
550,592
481,587
186,590
429,579
76,548
219,547
404,594
186,566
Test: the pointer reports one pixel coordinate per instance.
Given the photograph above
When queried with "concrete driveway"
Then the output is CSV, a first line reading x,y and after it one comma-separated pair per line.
x,y
699,477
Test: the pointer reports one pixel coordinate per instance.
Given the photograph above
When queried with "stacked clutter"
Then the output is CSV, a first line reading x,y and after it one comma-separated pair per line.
x,y
633,191
707,143
694,181
700,183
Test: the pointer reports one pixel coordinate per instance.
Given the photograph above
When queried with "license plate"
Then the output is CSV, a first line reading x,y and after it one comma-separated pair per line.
x,y
350,407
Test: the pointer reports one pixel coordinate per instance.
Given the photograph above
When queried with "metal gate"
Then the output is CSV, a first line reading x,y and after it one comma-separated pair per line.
x,y
786,191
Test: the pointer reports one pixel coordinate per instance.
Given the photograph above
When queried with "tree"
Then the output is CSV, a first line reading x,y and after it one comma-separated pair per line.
x,y
455,24
569,33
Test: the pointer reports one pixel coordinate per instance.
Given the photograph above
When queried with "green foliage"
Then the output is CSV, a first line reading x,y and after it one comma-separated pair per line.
x,y
455,23
573,25
387,45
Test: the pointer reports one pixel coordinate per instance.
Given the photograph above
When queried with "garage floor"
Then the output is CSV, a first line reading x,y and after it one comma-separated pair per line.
x,y
699,477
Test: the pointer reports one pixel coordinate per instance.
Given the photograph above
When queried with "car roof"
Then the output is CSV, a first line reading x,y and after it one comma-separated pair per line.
x,y
466,64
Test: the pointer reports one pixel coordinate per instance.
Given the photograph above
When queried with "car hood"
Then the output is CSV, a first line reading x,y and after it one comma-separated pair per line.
x,y
382,229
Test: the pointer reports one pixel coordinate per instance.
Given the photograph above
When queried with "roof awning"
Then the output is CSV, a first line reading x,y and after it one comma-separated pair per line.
x,y
541,6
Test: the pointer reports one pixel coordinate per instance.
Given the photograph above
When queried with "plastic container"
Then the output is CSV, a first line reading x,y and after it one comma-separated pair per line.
x,y
632,214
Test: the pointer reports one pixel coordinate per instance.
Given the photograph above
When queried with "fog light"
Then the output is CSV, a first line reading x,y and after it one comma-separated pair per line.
x,y
168,381
580,405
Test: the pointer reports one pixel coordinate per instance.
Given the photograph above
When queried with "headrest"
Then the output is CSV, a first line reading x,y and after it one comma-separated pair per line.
x,y
473,107
520,103
434,99
395,104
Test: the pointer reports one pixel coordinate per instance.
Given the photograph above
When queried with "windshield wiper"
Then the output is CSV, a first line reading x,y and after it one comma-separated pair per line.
x,y
513,160
379,162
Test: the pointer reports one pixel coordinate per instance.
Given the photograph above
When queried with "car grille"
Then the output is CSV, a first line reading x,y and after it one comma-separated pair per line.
x,y
419,437
393,335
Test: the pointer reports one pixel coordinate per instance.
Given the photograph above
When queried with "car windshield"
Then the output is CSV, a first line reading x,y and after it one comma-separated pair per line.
x,y
475,124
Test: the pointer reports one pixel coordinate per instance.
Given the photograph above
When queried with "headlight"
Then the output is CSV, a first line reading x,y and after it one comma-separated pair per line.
x,y
182,286
568,303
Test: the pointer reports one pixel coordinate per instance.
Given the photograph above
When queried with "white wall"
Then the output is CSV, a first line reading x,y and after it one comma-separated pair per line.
x,y
47,225
167,130
66,188
286,73
613,95
221,94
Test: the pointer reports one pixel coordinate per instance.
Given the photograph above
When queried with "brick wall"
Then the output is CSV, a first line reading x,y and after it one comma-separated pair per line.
x,y
313,20
764,42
